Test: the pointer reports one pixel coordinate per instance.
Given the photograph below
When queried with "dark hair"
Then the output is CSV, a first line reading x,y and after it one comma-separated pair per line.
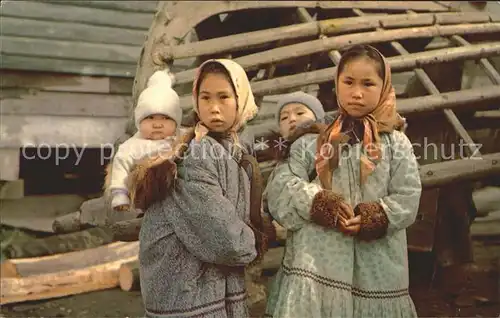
x,y
362,51
213,68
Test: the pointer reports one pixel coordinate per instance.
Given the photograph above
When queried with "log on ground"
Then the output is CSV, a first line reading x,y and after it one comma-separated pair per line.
x,y
25,267
129,276
64,283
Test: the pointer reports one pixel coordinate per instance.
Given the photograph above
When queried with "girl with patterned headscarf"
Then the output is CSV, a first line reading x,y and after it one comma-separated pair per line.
x,y
346,253
197,235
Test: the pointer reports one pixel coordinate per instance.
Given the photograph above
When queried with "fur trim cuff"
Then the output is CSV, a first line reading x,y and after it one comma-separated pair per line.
x,y
325,208
374,221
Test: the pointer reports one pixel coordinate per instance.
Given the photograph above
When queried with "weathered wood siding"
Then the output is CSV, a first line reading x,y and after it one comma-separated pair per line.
x,y
82,37
67,73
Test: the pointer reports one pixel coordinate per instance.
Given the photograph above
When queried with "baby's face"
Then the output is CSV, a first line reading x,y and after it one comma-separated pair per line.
x,y
156,127
293,115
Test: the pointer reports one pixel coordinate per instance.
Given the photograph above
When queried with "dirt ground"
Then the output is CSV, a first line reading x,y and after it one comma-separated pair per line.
x,y
116,303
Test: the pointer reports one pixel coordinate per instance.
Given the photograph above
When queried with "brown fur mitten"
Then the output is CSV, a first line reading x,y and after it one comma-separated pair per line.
x,y
326,208
374,221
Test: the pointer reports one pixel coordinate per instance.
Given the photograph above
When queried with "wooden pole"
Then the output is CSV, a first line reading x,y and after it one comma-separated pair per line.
x,y
397,63
253,61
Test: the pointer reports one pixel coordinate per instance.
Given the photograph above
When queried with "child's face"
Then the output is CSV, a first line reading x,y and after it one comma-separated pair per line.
x,y
156,127
360,87
217,105
291,116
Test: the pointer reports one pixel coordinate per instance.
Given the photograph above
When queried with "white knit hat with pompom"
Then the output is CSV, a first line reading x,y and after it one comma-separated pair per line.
x,y
159,98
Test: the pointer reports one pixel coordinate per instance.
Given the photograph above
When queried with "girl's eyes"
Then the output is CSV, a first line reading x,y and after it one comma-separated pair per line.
x,y
284,118
300,113
206,97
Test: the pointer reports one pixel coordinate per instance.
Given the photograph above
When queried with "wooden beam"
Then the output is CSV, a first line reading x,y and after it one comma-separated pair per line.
x,y
489,69
253,61
470,169
384,5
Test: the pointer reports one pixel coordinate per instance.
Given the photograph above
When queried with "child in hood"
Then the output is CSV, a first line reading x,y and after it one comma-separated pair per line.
x,y
346,254
157,117
200,228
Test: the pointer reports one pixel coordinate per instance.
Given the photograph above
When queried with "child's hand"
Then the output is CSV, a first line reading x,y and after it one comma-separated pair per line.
x,y
353,225
346,211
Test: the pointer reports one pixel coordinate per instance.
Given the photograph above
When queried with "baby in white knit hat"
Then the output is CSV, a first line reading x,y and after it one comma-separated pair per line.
x,y
158,118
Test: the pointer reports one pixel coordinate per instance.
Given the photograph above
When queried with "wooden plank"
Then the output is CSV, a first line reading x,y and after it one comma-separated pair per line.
x,y
58,82
61,132
475,168
64,104
91,16
384,5
48,30
53,64
70,50
9,162
127,6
